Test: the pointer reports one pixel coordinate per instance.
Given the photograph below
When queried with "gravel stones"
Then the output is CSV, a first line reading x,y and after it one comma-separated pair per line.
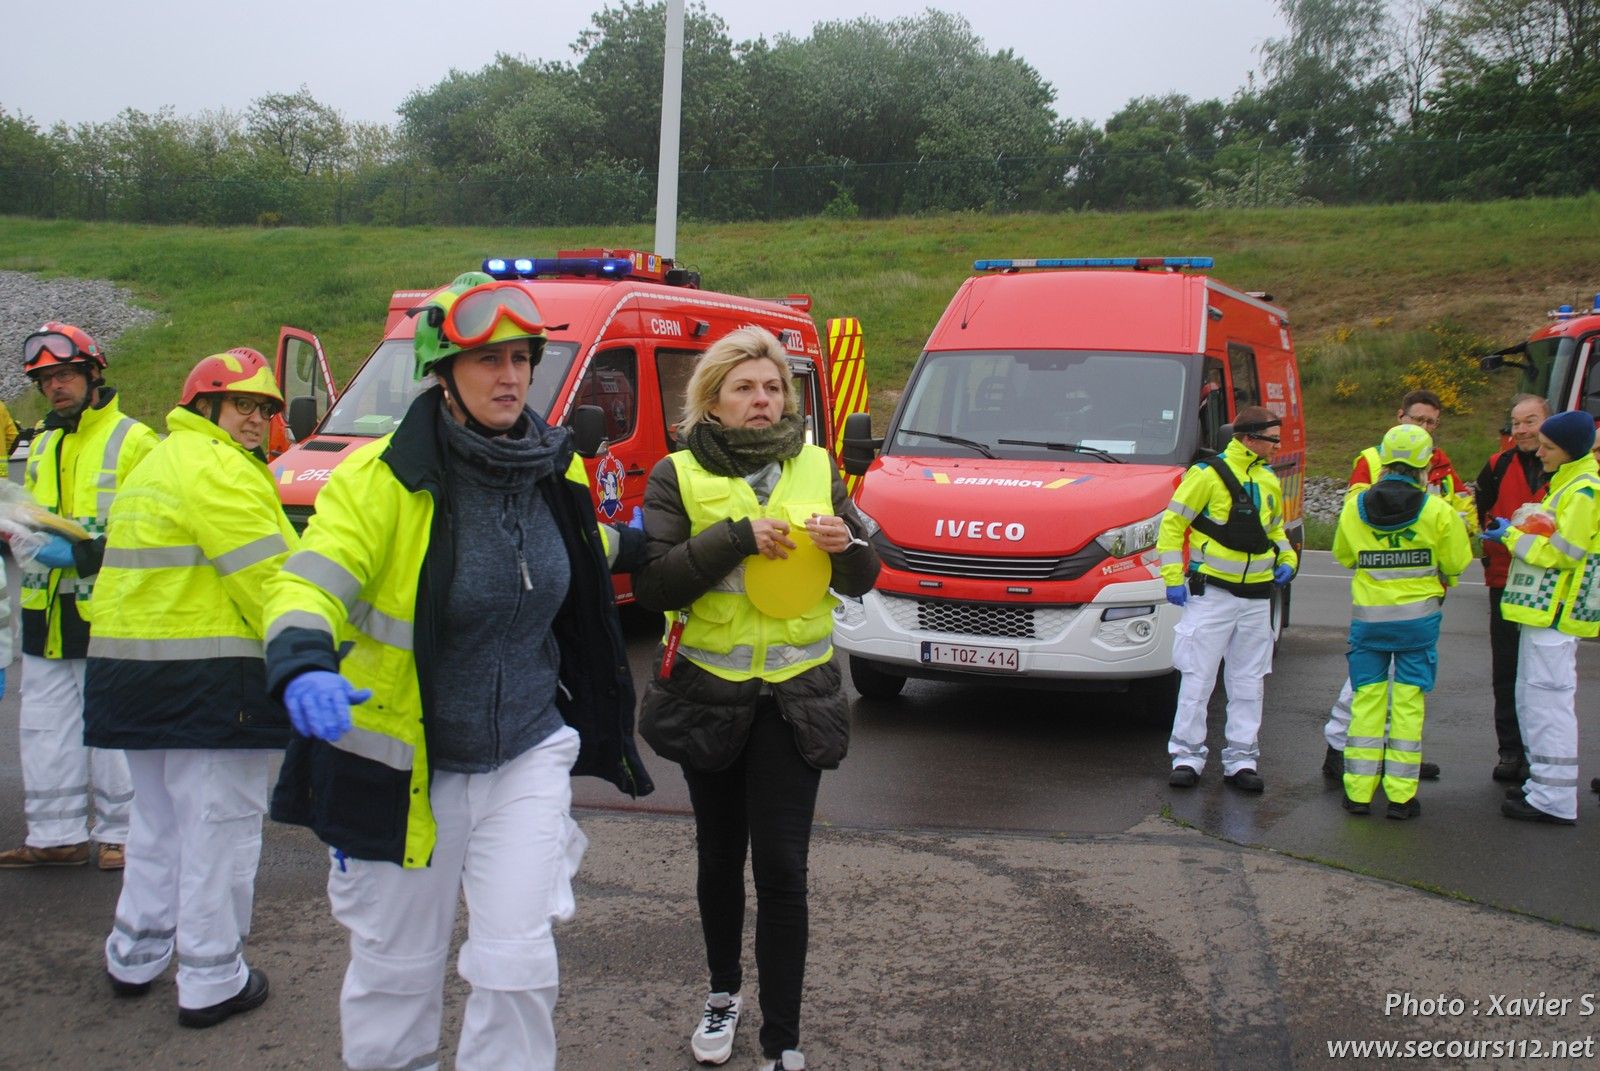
x,y
26,301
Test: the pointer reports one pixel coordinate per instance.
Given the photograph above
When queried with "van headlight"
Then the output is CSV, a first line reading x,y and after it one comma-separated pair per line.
x,y
1130,538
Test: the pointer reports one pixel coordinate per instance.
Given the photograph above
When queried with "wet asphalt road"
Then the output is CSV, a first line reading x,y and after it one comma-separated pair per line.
x,y
969,757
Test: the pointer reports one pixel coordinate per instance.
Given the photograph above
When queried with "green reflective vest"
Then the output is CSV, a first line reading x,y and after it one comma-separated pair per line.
x,y
75,474
1562,569
1203,492
194,534
1402,572
725,634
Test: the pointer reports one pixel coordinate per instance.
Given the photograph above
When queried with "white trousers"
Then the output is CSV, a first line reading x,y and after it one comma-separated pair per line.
x,y
189,883
1216,626
506,837
1547,694
57,770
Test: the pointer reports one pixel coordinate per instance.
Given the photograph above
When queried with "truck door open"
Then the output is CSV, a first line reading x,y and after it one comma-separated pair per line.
x,y
307,384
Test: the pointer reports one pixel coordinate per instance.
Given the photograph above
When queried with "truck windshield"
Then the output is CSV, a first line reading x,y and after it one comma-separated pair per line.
x,y
1029,405
383,389
1547,370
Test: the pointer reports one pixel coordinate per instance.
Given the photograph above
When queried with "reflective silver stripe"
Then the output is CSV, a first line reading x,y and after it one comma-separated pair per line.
x,y
1284,546
1359,767
182,650
1189,746
326,574
297,619
1232,568
106,483
56,793
740,658
1364,741
781,656
380,626
1187,512
732,583
1410,611
221,960
395,754
1551,760
257,550
611,539
1172,557
106,797
1554,782
127,930
1401,574
1404,770
1565,548
1405,745
35,814
1520,548
430,1059
153,557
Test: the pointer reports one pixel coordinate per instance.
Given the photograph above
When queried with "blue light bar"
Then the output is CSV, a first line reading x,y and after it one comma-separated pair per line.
x,y
1095,262
530,267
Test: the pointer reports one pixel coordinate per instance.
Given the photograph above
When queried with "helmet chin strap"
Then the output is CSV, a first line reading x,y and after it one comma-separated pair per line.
x,y
446,375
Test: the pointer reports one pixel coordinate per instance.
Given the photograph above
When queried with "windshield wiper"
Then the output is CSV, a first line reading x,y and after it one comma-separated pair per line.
x,y
1077,448
954,440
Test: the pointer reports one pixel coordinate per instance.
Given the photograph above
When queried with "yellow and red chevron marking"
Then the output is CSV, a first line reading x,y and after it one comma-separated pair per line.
x,y
847,379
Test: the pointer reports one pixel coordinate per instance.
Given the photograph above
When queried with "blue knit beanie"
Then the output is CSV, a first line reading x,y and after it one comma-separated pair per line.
x,y
1573,431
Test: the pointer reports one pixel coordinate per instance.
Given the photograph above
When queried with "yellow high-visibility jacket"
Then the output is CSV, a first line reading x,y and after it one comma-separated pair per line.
x,y
1554,580
176,658
1202,493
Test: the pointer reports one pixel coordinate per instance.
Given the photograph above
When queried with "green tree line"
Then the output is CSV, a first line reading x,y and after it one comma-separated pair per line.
x,y
1360,101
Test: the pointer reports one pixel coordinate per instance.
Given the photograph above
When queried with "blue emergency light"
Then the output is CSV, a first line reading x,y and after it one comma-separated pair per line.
x,y
531,267
1095,262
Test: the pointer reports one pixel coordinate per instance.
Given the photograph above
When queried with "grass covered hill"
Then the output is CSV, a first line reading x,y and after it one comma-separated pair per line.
x,y
1380,298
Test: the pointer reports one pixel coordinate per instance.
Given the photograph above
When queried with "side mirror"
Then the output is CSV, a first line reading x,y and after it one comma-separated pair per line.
x,y
1491,362
588,424
859,445
302,417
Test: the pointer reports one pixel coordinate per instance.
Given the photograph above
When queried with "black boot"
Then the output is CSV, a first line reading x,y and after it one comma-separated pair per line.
x,y
1511,767
1333,763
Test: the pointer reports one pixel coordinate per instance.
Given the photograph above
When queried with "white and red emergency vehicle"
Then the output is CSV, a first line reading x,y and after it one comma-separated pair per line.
x,y
1022,478
624,330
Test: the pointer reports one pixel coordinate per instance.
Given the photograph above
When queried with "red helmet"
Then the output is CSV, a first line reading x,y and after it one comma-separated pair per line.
x,y
239,371
58,343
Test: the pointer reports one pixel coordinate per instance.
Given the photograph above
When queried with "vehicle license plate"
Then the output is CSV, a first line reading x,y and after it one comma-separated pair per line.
x,y
966,656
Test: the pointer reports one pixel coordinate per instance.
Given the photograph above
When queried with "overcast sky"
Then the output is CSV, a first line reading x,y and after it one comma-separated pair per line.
x,y
85,61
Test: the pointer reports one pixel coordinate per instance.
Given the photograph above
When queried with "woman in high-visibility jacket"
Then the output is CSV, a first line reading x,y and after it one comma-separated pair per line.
x,y
454,586
176,679
1553,593
1407,547
748,528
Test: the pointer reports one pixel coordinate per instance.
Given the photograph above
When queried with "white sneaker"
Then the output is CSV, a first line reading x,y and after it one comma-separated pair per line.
x,y
789,1060
713,1038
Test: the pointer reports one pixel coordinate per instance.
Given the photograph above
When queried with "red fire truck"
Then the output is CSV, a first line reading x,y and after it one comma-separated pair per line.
x,y
627,327
1020,483
1560,361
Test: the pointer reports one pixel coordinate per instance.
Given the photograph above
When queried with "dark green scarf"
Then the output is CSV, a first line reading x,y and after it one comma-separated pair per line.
x,y
741,451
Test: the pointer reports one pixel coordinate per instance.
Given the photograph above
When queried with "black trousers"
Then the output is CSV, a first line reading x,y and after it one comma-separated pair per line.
x,y
1503,637
765,801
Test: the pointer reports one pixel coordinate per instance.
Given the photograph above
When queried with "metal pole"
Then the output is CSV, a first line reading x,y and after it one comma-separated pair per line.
x,y
671,107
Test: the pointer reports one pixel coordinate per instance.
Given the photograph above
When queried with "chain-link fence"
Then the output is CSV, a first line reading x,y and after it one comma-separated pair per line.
x,y
1092,177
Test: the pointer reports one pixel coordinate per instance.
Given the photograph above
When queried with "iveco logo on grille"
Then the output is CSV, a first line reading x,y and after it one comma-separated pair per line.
x,y
959,529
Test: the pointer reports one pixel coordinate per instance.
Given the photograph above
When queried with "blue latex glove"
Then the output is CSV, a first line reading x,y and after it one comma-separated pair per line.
x,y
1497,530
1282,574
1178,594
56,554
319,704
637,520
2,683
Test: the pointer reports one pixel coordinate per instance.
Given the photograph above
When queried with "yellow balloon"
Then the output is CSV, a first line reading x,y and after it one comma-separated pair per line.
x,y
788,587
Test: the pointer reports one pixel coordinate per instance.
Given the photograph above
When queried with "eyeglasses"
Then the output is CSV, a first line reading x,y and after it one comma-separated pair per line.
x,y
58,373
476,314
1423,421
1265,439
245,404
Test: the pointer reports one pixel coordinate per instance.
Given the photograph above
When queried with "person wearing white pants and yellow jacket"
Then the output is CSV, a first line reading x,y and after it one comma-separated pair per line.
x,y
1553,593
